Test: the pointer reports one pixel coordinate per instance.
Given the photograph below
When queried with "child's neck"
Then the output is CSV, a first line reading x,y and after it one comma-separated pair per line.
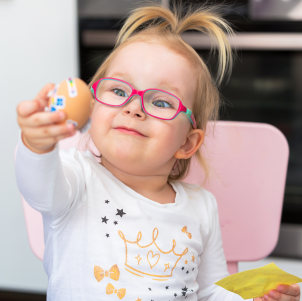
x,y
153,187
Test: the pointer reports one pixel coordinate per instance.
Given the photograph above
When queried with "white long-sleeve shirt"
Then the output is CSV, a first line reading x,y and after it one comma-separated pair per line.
x,y
104,241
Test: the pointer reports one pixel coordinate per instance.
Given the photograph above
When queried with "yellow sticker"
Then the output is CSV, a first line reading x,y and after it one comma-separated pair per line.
x,y
257,282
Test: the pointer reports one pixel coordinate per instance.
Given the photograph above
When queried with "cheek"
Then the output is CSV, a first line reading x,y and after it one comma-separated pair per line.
x,y
102,115
101,119
173,136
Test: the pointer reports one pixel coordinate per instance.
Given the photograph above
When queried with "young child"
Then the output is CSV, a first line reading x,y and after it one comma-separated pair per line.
x,y
126,227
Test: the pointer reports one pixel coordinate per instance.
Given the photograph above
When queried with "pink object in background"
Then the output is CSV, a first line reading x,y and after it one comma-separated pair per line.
x,y
248,166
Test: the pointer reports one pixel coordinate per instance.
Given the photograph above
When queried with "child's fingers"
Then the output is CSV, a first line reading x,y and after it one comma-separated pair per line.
x,y
42,119
268,298
44,139
42,96
292,290
49,141
26,108
45,132
284,293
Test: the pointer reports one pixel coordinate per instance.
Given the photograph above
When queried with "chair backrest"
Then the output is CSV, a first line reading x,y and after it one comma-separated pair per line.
x,y
248,166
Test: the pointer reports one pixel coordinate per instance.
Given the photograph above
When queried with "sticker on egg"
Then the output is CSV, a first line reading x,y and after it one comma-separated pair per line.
x,y
74,97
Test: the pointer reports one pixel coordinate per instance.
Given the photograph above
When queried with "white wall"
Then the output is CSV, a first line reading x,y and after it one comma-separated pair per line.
x,y
38,44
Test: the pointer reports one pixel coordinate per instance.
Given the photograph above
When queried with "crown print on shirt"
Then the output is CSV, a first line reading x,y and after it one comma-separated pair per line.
x,y
151,260
148,256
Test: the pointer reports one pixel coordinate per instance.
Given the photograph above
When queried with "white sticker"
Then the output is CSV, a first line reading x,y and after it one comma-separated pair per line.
x,y
57,102
71,86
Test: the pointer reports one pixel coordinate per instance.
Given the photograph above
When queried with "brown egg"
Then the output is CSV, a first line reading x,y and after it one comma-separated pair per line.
x,y
73,96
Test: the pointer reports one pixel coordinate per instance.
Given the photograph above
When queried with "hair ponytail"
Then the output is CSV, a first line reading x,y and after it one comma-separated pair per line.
x,y
158,19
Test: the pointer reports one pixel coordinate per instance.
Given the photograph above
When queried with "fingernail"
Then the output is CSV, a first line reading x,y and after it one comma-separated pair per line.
x,y
71,124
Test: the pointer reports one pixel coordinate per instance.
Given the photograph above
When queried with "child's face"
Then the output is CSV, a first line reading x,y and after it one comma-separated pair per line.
x,y
129,139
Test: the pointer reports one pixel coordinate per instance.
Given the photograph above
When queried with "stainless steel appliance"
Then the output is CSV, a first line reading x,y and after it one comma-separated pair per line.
x,y
265,86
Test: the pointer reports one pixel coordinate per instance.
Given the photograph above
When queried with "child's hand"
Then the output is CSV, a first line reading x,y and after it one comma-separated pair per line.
x,y
42,130
282,293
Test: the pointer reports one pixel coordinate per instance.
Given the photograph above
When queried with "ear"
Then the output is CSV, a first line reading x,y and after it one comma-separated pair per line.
x,y
193,142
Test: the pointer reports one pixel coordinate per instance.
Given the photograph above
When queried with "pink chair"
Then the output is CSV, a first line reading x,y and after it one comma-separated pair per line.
x,y
248,165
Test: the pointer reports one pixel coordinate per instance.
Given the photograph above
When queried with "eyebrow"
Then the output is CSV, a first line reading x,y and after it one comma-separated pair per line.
x,y
172,89
123,76
163,85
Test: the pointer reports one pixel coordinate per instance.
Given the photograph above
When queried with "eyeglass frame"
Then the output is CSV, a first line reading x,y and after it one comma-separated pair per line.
x,y
181,107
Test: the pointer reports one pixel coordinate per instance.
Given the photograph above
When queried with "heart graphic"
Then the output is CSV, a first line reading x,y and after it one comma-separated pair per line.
x,y
153,259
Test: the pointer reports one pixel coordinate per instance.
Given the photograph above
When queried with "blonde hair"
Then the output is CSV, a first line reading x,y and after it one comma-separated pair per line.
x,y
156,23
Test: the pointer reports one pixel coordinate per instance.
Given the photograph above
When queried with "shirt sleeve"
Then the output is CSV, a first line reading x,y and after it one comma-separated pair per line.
x,y
213,265
45,183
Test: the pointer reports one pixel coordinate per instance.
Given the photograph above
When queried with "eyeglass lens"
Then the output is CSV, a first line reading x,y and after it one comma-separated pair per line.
x,y
156,103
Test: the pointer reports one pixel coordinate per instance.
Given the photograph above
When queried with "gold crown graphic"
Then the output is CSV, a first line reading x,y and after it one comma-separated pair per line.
x,y
149,260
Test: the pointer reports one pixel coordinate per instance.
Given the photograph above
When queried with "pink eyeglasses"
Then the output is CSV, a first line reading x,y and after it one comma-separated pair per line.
x,y
155,102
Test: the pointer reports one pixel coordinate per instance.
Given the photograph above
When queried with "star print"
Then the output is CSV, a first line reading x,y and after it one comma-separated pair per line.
x,y
183,268
104,219
107,235
149,288
175,295
187,272
120,212
167,287
184,291
115,222
107,202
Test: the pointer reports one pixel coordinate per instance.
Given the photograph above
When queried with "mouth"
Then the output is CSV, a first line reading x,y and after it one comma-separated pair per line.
x,y
129,131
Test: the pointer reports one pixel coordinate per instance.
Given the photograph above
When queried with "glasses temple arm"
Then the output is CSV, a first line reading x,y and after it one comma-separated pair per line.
x,y
191,117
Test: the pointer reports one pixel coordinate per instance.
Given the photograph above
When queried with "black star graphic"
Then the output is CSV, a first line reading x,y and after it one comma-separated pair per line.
x,y
183,268
107,235
104,219
187,272
175,295
167,287
120,212
107,202
115,222
149,288
184,291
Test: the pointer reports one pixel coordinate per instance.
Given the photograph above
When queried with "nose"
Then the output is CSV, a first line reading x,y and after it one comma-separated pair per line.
x,y
134,108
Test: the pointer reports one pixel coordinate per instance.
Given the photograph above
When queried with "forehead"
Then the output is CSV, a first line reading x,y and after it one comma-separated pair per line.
x,y
149,64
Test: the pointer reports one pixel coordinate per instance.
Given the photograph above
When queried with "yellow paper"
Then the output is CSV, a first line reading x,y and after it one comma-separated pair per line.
x,y
257,282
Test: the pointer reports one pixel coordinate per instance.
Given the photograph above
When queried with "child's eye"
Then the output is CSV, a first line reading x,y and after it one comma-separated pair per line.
x,y
119,92
161,104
